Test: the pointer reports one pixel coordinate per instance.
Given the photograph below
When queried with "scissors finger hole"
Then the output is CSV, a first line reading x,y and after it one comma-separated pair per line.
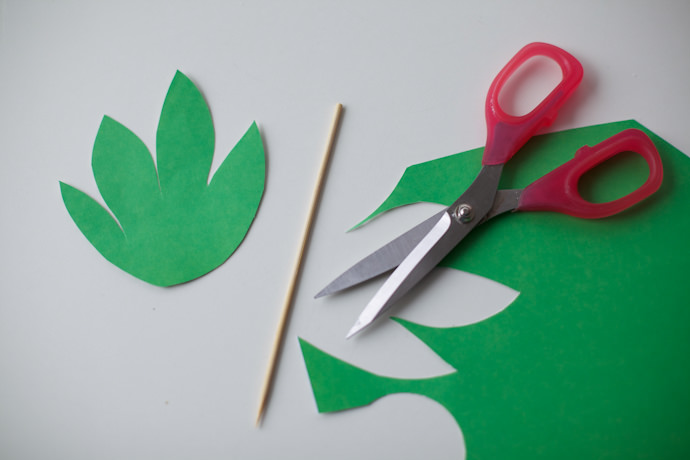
x,y
614,178
528,85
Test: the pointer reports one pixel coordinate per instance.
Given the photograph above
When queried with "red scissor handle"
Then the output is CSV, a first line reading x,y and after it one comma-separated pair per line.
x,y
557,191
506,134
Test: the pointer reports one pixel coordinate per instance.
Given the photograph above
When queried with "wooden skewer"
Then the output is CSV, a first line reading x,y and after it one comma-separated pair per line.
x,y
282,323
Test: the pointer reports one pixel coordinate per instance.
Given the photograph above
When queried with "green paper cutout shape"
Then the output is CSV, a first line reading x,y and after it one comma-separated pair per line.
x,y
592,359
169,224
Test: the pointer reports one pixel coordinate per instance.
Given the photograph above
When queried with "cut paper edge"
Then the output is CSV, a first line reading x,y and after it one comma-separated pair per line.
x,y
495,341
230,198
354,387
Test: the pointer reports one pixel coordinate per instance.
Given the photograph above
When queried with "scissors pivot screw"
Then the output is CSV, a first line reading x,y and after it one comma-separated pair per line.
x,y
464,213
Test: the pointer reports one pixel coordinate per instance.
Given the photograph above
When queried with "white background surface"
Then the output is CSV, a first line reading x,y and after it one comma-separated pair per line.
x,y
95,364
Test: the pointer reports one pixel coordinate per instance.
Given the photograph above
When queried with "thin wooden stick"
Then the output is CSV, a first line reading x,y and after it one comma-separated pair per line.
x,y
282,323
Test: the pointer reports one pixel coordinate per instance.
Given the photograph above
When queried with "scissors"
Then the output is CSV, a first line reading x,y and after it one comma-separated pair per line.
x,y
415,253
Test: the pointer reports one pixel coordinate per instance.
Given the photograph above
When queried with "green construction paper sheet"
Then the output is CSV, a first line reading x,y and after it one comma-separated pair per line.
x,y
166,223
592,359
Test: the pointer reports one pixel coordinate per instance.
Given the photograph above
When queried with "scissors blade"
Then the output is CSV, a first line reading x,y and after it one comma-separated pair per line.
x,y
505,200
384,259
446,233
388,257
437,243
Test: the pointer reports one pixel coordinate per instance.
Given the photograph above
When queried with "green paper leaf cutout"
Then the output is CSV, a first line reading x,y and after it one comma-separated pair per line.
x,y
592,359
169,225
420,183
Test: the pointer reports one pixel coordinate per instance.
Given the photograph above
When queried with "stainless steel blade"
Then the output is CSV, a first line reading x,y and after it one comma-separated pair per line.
x,y
454,224
410,271
505,200
382,260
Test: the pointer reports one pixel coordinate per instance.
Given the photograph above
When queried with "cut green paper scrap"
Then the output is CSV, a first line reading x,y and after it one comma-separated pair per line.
x,y
592,359
171,224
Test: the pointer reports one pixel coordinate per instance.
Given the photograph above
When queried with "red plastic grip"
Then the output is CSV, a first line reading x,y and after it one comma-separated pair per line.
x,y
557,191
506,134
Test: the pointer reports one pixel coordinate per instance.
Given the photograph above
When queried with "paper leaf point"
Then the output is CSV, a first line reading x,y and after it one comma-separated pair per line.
x,y
163,221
